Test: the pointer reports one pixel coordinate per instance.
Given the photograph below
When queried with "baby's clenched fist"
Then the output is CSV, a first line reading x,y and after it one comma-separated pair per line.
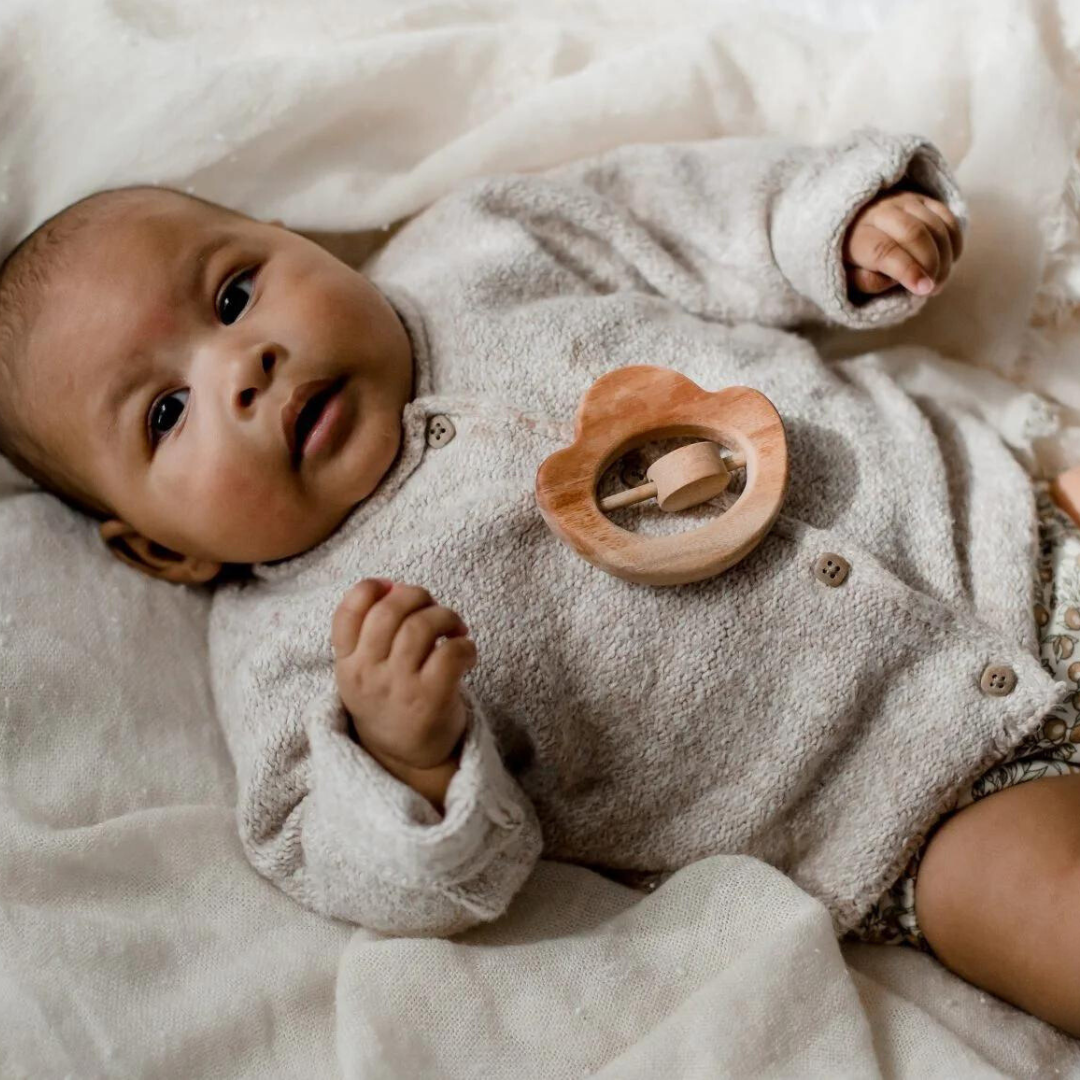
x,y
902,238
399,658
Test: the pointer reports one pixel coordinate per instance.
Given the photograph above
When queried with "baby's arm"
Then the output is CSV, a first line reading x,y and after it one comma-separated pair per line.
x,y
356,836
764,231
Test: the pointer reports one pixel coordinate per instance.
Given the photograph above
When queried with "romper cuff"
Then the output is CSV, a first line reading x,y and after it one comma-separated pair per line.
x,y
812,217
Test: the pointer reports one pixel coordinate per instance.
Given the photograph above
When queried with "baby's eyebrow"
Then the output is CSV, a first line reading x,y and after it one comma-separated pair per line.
x,y
202,256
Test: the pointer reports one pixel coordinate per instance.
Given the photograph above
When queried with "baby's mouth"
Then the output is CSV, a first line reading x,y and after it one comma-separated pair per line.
x,y
308,417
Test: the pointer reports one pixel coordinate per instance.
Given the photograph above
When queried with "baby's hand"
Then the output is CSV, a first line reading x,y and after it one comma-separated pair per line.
x,y
902,238
399,659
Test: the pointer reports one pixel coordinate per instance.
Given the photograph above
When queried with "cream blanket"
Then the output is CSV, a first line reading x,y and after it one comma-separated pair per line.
x,y
134,938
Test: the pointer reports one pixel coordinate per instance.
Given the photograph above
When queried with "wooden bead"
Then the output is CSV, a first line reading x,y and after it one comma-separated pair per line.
x,y
689,476
718,482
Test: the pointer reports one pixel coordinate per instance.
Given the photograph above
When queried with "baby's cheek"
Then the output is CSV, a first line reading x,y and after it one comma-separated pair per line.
x,y
233,505
249,492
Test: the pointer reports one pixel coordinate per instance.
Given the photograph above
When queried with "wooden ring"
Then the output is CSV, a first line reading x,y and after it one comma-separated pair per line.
x,y
630,407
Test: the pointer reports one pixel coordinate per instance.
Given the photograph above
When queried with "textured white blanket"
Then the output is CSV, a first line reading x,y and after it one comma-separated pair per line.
x,y
134,938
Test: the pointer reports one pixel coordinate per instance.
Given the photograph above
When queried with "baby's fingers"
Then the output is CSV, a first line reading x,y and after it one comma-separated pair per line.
x,y
874,248
443,669
870,282
418,633
942,236
382,625
351,612
948,219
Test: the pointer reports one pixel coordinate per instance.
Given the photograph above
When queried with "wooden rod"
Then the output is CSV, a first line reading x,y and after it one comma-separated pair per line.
x,y
648,490
629,497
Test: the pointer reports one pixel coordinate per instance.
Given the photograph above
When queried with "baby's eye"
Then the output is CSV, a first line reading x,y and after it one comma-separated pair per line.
x,y
165,412
235,296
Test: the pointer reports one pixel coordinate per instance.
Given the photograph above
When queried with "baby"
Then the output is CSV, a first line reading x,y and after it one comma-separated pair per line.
x,y
240,409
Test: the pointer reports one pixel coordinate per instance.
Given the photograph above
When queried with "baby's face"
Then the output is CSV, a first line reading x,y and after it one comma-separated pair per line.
x,y
172,370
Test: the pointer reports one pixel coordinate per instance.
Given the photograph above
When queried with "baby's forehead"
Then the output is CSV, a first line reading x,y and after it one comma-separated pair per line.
x,y
149,223
123,277
149,247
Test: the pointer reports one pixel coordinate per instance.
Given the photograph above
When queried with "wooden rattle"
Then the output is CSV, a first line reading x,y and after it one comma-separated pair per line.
x,y
632,406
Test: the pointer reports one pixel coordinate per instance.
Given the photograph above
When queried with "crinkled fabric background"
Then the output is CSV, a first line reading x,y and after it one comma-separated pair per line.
x,y
134,938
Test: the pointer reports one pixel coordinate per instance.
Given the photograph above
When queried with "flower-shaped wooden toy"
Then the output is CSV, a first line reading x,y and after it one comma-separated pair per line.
x,y
632,406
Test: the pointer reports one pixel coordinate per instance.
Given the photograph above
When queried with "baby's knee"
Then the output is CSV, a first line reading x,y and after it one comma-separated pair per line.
x,y
997,885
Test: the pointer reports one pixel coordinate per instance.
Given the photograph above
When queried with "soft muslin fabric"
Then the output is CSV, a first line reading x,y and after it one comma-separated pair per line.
x,y
642,728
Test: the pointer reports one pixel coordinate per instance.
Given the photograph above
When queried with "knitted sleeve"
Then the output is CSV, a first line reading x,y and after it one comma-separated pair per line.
x,y
736,229
322,820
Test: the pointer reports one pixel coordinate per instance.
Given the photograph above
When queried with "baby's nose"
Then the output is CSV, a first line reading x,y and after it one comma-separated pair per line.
x,y
267,361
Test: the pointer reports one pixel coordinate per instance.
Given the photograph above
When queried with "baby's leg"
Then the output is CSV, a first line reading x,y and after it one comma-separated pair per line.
x,y
998,892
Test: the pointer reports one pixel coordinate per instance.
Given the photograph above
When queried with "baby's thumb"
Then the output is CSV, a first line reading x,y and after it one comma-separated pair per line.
x,y
870,282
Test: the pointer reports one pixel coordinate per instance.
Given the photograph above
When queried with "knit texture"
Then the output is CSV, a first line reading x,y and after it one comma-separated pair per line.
x,y
613,724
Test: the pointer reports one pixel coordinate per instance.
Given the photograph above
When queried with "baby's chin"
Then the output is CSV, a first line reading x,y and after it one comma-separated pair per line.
x,y
306,539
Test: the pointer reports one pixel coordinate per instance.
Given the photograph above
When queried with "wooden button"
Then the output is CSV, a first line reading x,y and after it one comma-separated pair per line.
x,y
831,569
439,431
998,680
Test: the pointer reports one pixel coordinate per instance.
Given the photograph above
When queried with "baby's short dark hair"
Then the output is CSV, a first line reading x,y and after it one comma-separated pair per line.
x,y
25,276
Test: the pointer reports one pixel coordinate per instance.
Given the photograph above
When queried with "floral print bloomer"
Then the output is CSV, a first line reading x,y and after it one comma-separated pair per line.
x,y
1052,751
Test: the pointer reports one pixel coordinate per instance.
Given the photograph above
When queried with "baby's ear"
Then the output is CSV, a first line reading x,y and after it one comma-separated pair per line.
x,y
151,558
